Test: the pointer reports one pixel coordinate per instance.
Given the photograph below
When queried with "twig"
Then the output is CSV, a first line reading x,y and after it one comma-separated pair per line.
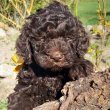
x,y
17,9
10,20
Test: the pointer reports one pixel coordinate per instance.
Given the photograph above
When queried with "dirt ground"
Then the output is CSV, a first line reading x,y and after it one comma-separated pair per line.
x,y
7,84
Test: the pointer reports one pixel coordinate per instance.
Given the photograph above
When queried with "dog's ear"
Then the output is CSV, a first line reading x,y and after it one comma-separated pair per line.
x,y
82,45
23,47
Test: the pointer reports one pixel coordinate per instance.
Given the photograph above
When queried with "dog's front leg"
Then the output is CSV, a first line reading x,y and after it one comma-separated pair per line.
x,y
81,68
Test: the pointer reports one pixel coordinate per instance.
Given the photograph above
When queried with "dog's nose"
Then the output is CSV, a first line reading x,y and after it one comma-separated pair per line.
x,y
57,56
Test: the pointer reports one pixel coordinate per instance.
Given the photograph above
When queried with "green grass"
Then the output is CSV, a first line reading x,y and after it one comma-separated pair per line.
x,y
3,104
87,11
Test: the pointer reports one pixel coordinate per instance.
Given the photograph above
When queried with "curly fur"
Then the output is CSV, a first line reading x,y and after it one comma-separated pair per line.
x,y
53,43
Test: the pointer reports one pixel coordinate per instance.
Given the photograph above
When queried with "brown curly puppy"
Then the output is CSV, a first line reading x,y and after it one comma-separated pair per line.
x,y
53,43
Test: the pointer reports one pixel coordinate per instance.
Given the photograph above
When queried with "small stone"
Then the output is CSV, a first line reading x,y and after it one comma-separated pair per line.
x,y
12,31
6,70
2,33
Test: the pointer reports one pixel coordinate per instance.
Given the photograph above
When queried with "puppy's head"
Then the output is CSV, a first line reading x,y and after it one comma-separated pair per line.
x,y
53,37
54,54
